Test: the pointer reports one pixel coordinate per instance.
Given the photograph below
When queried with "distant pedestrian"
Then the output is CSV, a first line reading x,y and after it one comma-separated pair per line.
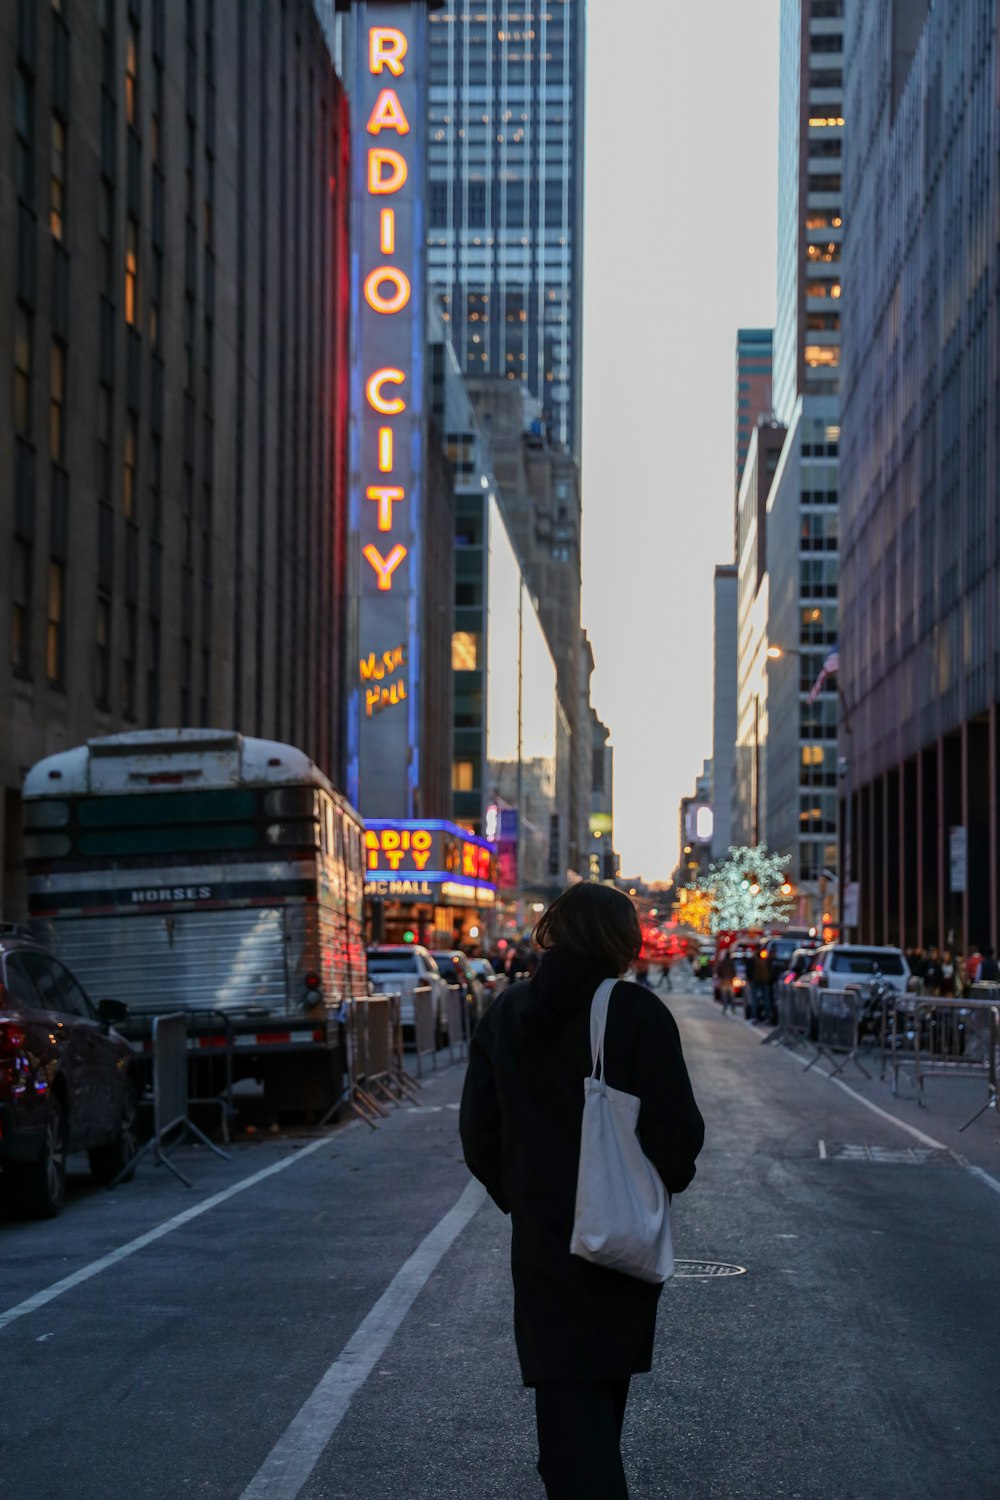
x,y
725,973
948,974
582,1331
972,965
989,969
665,980
761,980
932,973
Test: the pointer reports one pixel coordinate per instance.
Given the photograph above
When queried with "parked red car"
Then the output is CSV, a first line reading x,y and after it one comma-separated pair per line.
x,y
66,1078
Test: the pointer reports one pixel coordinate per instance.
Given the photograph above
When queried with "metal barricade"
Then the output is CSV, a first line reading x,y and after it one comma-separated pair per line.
x,y
425,1026
170,1098
952,1039
794,1015
993,1070
374,1044
204,1054
898,1035
838,1017
458,1023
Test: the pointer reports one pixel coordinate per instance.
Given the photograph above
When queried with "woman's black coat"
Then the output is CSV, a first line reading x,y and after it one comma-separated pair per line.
x,y
521,1116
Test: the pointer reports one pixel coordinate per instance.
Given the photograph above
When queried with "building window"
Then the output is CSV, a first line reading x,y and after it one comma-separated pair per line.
x,y
22,371
153,676
463,776
186,680
24,120
817,355
55,623
132,273
57,179
107,226
129,662
20,607
132,75
104,428
128,476
102,654
189,341
464,651
57,405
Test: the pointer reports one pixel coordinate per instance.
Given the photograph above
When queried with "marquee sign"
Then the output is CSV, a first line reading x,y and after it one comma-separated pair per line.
x,y
430,860
387,400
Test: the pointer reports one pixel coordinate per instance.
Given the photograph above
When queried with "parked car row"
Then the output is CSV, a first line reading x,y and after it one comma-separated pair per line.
x,y
67,1080
406,967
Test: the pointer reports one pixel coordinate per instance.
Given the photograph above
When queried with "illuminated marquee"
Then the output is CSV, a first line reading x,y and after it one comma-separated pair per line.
x,y
436,858
387,456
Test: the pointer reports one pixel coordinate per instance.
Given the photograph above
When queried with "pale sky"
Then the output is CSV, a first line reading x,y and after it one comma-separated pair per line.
x,y
680,252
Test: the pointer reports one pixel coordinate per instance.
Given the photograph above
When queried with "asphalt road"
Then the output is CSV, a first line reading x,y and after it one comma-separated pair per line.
x,y
326,1323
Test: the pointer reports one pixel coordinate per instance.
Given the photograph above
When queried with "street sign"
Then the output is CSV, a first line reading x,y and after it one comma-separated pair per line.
x,y
852,900
959,850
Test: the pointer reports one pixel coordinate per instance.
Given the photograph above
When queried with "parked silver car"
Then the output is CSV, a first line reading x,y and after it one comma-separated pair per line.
x,y
404,967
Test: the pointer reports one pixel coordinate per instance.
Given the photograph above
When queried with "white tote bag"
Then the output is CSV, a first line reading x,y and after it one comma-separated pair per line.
x,y
622,1218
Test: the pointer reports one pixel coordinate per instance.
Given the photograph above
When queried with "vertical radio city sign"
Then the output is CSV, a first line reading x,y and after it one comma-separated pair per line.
x,y
387,398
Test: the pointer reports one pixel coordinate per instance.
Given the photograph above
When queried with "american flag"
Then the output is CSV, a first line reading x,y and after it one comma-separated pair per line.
x,y
831,665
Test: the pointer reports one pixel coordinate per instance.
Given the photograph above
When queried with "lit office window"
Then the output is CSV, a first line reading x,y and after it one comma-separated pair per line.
x,y
132,273
463,776
132,74
57,179
464,651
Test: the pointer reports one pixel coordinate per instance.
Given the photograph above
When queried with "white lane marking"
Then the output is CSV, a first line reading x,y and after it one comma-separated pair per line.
x,y
296,1453
822,1150
925,1140
918,1135
990,1182
50,1293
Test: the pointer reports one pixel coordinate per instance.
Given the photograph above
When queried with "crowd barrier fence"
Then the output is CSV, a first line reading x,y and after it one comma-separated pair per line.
x,y
839,1017
425,1025
459,1024
373,1036
794,1015
170,1099
952,1039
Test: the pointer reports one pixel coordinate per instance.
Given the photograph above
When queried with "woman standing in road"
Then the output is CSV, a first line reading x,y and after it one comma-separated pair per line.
x,y
581,1331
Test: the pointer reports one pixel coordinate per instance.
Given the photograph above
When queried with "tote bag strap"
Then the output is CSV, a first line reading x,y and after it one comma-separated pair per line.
x,y
599,1021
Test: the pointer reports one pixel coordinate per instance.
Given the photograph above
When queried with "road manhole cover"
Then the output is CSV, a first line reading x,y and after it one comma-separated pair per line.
x,y
704,1269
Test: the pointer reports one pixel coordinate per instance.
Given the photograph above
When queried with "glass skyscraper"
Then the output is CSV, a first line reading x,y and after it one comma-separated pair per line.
x,y
505,194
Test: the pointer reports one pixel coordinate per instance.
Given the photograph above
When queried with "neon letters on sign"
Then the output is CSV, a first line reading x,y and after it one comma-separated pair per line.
x,y
388,398
387,287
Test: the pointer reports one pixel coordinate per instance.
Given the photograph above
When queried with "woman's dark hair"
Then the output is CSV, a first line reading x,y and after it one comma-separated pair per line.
x,y
595,920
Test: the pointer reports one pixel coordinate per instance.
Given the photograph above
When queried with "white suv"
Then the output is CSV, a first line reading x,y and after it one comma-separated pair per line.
x,y
851,966
405,967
